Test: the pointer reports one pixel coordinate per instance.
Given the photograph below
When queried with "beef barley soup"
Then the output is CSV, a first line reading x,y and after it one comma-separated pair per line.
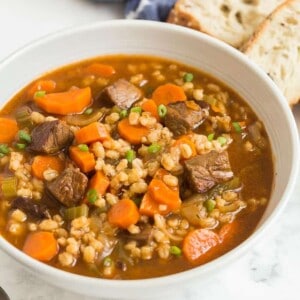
x,y
130,167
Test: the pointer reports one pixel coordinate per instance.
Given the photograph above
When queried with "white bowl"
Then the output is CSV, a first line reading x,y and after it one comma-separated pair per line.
x,y
191,48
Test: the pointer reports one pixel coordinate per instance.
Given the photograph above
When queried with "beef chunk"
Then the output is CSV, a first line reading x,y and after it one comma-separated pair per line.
x,y
121,93
32,209
50,137
184,116
204,171
69,187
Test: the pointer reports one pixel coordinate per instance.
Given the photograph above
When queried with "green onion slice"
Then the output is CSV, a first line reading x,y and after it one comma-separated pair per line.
x,y
92,196
175,250
123,113
20,146
137,109
83,147
39,94
107,261
88,111
4,149
209,205
237,127
222,140
188,77
24,136
210,137
162,110
130,155
154,148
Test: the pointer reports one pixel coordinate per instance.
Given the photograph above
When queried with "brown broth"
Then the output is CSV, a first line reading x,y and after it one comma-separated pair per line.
x,y
254,169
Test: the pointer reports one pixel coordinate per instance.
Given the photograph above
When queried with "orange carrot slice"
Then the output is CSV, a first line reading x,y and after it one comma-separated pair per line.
x,y
132,133
46,85
92,133
41,245
71,102
8,130
168,93
85,160
43,162
123,214
198,242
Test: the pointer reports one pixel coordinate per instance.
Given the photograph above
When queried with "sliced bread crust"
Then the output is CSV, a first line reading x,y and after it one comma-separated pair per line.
x,y
275,47
232,21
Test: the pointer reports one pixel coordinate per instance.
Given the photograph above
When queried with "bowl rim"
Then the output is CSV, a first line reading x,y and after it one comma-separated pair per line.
x,y
216,263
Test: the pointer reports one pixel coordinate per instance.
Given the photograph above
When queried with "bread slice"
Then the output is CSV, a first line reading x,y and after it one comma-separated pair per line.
x,y
275,46
232,21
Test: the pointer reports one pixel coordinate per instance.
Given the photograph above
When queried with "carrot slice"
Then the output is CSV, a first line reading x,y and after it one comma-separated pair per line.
x,y
84,160
185,139
43,162
99,182
132,133
41,245
8,130
162,194
123,214
198,242
149,207
100,70
151,107
92,133
46,85
71,102
228,231
168,93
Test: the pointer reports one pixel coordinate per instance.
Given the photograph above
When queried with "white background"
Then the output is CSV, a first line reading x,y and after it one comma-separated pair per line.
x,y
270,271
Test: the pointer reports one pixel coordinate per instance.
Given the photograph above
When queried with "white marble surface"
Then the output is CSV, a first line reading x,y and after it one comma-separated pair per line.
x,y
270,271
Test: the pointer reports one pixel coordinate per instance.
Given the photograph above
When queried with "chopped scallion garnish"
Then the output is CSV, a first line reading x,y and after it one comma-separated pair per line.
x,y
162,110
210,137
210,205
83,147
130,155
92,196
175,250
123,113
154,148
237,127
24,136
88,111
107,261
20,146
137,109
188,77
4,149
222,140
39,94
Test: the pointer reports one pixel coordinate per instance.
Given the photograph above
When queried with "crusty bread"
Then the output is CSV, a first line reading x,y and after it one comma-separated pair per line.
x,y
232,21
275,46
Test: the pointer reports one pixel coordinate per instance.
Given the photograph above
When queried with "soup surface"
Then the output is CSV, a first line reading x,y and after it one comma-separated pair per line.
x,y
129,167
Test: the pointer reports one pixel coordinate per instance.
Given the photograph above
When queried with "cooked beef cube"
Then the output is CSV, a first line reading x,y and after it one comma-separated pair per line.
x,y
50,137
184,116
206,170
69,187
121,93
32,209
